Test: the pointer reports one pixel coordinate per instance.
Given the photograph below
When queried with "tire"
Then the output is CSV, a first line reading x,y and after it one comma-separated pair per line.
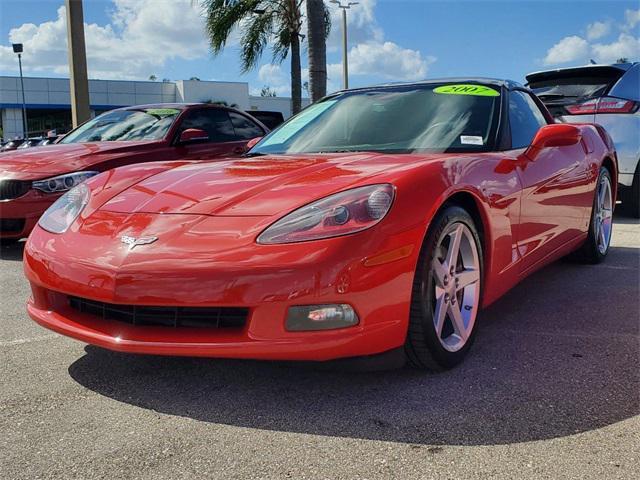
x,y
9,241
594,250
425,348
631,201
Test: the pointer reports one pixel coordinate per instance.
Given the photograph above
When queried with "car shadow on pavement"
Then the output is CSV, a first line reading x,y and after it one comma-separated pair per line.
x,y
12,250
557,355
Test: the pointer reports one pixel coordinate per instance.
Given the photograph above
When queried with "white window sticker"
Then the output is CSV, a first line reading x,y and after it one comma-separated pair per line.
x,y
471,140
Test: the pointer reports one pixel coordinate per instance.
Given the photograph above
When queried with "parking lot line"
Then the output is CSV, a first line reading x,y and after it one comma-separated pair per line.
x,y
20,341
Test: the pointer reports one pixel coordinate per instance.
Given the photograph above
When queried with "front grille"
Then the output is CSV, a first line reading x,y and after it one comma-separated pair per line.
x,y
180,317
11,225
10,189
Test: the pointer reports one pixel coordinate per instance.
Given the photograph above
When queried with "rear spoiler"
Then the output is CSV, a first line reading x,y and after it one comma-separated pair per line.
x,y
607,71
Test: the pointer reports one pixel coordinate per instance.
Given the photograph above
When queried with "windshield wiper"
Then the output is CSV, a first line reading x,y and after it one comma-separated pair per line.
x,y
254,154
341,151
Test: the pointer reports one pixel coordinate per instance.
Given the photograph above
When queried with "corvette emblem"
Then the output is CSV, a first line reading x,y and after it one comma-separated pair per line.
x,y
135,242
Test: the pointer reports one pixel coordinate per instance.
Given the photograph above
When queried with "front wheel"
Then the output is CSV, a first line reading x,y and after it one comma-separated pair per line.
x,y
446,292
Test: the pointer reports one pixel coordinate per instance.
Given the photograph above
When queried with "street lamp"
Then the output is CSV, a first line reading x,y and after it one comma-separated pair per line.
x,y
345,61
17,48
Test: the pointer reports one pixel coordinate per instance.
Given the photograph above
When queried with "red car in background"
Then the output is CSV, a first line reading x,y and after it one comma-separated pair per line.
x,y
32,179
377,219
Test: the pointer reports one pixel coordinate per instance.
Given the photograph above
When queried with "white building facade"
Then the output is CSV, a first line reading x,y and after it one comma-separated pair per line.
x,y
48,100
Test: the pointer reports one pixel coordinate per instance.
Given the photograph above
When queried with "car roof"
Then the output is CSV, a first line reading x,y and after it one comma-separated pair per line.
x,y
185,106
178,106
593,66
496,82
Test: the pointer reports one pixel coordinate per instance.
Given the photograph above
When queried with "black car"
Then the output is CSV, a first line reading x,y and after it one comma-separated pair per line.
x,y
270,119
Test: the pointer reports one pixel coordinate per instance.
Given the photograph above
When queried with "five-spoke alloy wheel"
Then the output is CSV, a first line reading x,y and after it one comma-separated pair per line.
x,y
456,269
446,292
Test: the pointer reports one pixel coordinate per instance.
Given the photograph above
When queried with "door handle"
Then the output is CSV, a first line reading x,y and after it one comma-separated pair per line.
x,y
239,150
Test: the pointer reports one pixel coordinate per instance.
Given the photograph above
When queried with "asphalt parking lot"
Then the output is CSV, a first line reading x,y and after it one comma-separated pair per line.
x,y
550,390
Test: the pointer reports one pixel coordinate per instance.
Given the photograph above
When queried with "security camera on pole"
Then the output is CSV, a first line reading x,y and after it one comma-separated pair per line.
x,y
18,48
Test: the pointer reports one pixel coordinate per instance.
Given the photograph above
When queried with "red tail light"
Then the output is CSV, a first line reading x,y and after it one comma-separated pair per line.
x,y
616,105
603,105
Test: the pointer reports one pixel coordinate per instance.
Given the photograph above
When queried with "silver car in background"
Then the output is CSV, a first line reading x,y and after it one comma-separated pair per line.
x,y
605,94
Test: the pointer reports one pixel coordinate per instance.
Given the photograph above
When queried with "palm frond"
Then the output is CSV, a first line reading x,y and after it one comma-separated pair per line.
x,y
281,45
327,21
255,38
222,16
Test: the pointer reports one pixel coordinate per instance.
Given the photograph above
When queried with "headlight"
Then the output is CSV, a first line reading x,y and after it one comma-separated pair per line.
x,y
339,214
62,183
59,216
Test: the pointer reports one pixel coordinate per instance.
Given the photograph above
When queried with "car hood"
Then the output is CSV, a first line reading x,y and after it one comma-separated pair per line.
x,y
31,163
260,186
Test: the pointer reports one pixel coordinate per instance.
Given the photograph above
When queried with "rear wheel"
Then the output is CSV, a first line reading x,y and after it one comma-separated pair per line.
x,y
446,292
596,247
631,202
9,241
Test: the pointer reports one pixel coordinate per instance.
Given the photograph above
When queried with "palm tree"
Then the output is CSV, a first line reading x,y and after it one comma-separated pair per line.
x,y
261,22
318,28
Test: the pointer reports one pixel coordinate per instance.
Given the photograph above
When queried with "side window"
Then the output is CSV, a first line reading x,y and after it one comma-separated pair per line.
x,y
525,119
214,121
245,128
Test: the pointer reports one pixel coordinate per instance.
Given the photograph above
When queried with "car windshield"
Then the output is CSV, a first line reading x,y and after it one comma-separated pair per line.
x,y
407,119
121,125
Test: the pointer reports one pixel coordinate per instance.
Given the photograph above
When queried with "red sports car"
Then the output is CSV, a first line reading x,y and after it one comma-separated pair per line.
x,y
378,219
32,179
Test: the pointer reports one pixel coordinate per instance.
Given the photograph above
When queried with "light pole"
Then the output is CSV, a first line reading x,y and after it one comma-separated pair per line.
x,y
17,48
78,80
345,61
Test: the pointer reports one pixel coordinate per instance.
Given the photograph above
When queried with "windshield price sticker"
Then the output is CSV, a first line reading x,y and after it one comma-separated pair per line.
x,y
463,89
471,140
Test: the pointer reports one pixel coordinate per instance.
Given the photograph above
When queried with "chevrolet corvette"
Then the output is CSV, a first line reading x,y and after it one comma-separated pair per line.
x,y
377,220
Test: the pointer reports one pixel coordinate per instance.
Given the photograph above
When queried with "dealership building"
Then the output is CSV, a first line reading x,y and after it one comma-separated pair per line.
x,y
48,100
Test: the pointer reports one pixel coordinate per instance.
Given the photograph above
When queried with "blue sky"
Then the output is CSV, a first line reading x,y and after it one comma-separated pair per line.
x,y
390,39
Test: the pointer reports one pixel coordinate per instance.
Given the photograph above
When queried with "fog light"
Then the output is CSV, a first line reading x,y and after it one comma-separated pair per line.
x,y
320,317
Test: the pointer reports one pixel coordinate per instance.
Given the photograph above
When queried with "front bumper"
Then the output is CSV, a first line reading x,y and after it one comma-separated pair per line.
x,y
18,216
317,346
331,271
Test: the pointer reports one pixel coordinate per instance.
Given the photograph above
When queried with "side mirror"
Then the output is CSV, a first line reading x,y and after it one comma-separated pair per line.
x,y
253,142
193,135
556,135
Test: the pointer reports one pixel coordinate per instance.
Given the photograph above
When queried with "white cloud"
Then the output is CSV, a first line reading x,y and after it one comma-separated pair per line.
x,y
632,18
569,49
598,30
577,49
388,60
382,60
625,46
276,78
369,56
142,37
361,25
